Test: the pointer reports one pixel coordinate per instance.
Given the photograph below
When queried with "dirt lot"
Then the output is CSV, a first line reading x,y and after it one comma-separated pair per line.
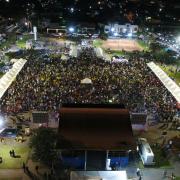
x,y
122,44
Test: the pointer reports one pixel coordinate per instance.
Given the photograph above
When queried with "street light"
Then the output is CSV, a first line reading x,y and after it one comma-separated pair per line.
x,y
71,29
112,29
72,10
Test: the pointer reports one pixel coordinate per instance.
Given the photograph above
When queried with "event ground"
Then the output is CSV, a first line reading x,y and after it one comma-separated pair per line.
x,y
122,44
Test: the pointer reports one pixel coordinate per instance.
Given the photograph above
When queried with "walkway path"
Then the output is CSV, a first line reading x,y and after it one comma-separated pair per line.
x,y
101,54
73,51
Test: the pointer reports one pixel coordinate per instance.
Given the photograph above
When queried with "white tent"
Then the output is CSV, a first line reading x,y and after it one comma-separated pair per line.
x,y
13,49
98,175
14,60
173,88
86,81
10,76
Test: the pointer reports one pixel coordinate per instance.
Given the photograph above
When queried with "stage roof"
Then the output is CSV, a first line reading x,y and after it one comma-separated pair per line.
x,y
96,128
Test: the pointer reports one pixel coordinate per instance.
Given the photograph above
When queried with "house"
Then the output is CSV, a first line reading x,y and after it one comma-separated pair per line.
x,y
116,29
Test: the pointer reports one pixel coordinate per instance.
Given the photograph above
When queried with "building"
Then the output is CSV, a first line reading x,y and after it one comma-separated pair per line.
x,y
95,137
116,29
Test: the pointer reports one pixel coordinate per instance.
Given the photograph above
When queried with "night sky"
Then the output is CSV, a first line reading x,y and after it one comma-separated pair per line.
x,y
166,11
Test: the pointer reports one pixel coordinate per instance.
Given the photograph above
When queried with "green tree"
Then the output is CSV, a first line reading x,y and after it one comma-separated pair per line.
x,y
155,47
103,36
43,143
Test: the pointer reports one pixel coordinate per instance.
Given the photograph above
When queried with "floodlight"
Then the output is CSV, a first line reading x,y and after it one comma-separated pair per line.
x,y
71,29
72,10
124,30
129,34
115,34
112,29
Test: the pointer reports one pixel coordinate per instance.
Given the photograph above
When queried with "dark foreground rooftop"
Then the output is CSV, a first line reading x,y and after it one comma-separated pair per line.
x,y
94,128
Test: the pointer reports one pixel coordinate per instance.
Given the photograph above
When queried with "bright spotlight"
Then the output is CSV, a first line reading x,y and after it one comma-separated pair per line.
x,y
129,34
112,29
115,34
72,10
71,29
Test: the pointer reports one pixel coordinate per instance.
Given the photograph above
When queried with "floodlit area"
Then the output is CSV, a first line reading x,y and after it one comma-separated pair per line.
x,y
21,154
122,44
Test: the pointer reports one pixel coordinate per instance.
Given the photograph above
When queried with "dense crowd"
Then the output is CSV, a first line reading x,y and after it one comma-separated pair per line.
x,y
46,83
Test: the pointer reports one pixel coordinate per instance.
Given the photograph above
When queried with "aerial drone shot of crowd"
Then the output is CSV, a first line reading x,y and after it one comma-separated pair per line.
x,y
45,83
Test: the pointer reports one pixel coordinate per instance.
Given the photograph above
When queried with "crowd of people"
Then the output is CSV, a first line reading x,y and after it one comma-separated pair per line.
x,y
46,83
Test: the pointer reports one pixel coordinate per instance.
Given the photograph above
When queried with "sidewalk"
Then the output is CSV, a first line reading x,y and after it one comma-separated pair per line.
x,y
20,174
11,173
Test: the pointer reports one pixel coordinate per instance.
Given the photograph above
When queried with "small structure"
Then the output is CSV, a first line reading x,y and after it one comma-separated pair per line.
x,y
14,49
116,29
41,118
86,81
119,59
35,33
29,44
139,121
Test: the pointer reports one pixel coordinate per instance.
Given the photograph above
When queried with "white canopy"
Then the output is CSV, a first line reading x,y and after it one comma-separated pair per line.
x,y
173,88
86,81
98,175
14,49
10,76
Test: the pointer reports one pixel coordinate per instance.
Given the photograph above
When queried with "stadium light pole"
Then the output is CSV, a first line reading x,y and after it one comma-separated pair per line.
x,y
71,29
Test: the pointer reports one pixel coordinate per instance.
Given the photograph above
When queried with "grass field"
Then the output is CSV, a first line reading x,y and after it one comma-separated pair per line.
x,y
22,43
13,163
144,45
98,43
160,159
9,42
